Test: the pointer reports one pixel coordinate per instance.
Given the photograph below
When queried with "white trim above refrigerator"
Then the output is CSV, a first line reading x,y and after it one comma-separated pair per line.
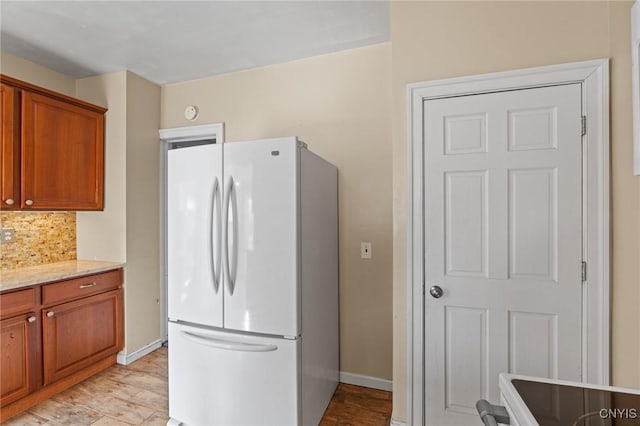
x,y
193,133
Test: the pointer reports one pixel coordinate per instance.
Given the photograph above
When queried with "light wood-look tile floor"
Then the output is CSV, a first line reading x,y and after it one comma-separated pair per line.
x,y
137,395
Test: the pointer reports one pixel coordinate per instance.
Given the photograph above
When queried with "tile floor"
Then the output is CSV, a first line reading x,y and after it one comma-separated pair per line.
x,y
137,395
120,395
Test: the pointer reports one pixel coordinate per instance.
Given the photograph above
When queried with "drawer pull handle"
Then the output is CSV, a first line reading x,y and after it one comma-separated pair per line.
x,y
89,285
31,319
50,314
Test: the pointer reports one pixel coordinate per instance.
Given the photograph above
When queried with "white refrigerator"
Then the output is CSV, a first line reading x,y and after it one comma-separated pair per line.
x,y
252,232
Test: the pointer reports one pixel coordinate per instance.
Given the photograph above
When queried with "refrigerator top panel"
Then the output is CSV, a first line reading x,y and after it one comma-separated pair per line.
x,y
261,241
194,234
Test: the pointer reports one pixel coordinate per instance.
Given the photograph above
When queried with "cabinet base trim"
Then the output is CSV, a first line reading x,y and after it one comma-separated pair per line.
x,y
126,359
47,392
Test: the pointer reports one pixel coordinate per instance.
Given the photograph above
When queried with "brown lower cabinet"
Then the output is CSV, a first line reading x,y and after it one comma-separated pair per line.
x,y
55,335
77,334
18,337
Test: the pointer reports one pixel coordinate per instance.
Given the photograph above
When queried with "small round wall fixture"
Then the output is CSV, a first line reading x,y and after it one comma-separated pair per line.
x,y
191,112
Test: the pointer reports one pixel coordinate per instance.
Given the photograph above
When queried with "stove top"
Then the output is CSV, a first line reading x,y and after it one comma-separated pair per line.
x,y
562,405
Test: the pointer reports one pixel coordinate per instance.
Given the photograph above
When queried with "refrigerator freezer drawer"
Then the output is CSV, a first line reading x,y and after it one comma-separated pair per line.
x,y
219,378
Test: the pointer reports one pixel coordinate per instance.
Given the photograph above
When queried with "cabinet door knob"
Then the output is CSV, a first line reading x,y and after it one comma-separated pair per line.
x,y
29,202
31,319
9,201
50,314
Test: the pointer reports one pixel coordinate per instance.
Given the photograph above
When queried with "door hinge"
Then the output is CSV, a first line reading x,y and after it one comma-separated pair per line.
x,y
584,125
584,271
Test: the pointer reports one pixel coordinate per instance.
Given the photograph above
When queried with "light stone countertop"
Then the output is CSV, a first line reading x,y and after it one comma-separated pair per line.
x,y
11,279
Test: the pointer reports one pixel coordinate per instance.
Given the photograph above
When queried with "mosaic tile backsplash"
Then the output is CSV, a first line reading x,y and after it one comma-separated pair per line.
x,y
40,237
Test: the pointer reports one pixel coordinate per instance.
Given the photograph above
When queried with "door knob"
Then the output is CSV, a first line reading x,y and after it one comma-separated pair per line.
x,y
436,291
9,201
50,314
29,202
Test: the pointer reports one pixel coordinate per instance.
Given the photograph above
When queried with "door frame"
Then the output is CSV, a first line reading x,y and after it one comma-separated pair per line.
x,y
594,79
213,131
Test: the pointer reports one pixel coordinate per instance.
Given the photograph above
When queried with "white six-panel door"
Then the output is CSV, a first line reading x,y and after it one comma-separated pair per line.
x,y
503,226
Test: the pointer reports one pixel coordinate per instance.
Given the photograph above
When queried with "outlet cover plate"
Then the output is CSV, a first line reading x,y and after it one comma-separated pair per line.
x,y
7,235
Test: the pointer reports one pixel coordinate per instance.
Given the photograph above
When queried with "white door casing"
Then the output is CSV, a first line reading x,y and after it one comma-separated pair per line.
x,y
503,240
591,79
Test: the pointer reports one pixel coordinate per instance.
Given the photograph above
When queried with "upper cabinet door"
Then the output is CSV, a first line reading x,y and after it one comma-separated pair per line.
x,y
62,155
9,148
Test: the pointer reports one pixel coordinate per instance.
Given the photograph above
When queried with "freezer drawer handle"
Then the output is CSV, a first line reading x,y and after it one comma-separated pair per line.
x,y
228,345
492,415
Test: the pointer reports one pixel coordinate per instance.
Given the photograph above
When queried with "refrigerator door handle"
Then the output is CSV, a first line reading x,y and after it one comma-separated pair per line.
x,y
228,345
215,236
227,201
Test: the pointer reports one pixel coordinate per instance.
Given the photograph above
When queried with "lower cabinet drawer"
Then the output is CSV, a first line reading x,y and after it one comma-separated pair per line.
x,y
17,302
65,291
79,333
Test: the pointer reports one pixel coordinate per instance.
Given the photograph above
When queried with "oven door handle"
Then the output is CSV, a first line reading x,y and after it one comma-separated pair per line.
x,y
492,415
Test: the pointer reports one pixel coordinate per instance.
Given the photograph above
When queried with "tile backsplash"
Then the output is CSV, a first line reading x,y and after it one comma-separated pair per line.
x,y
40,237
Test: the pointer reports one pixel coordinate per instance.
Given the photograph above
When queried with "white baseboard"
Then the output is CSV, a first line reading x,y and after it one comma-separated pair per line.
x,y
397,423
126,359
366,381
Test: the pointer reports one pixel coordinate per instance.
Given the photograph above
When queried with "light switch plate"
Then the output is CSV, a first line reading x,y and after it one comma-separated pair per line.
x,y
365,250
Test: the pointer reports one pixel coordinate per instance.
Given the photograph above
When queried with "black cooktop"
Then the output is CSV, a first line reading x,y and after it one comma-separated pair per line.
x,y
560,405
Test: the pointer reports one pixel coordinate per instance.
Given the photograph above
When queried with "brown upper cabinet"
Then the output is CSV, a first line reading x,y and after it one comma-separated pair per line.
x,y
52,150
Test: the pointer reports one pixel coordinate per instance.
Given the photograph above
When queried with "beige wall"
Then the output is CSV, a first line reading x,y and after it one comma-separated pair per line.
x,y
340,105
143,213
434,40
22,69
102,235
128,228
625,315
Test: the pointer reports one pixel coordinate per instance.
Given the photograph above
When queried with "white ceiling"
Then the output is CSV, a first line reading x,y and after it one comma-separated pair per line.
x,y
172,41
